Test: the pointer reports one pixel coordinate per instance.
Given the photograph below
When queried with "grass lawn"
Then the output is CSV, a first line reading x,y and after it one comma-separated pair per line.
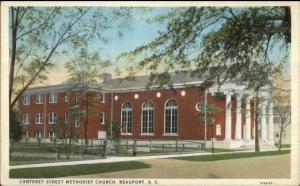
x,y
74,170
221,150
284,145
217,157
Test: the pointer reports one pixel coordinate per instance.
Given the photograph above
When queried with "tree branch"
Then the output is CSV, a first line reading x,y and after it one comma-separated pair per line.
x,y
38,26
41,68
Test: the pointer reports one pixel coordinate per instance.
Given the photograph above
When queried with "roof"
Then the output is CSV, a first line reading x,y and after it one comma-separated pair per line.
x,y
142,81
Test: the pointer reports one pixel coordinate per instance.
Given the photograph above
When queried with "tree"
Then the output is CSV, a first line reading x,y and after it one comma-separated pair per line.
x,y
39,35
85,70
113,132
15,128
66,132
218,45
282,105
206,115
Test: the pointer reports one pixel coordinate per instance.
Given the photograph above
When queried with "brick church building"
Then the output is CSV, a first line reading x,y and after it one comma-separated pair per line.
x,y
150,113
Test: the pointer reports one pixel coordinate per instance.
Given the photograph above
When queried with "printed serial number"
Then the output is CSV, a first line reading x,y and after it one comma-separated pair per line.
x,y
266,182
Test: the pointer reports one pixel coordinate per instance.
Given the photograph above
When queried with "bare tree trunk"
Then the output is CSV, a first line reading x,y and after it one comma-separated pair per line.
x,y
280,138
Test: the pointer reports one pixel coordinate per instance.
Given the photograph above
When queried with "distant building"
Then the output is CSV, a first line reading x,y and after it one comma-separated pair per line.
x,y
154,113
286,134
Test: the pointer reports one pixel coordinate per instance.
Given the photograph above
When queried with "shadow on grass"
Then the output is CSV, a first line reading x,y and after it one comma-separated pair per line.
x,y
74,170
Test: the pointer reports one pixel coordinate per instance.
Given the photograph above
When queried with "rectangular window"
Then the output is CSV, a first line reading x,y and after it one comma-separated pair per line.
x,y
218,130
77,121
66,117
38,135
26,100
51,135
52,97
102,97
102,118
25,118
39,99
39,119
52,118
66,97
77,100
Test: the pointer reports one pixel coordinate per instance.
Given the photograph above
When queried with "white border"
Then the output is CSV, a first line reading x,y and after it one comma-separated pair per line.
x,y
295,73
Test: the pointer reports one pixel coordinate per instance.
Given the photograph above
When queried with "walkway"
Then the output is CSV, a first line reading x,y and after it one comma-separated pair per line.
x,y
111,159
278,166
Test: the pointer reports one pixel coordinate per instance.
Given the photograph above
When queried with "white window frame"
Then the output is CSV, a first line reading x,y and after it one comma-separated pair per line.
x,y
52,117
52,97
172,110
39,99
125,130
53,135
26,119
147,109
77,121
102,97
218,130
26,100
77,101
66,117
38,134
66,98
102,117
39,118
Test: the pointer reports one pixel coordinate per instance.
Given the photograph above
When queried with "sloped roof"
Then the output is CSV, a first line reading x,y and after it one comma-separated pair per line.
x,y
142,81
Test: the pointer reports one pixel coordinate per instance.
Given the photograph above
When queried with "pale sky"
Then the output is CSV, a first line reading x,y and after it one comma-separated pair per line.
x,y
140,32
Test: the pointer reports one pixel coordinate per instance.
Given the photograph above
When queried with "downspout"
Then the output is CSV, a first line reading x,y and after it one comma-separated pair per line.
x,y
205,119
111,111
45,115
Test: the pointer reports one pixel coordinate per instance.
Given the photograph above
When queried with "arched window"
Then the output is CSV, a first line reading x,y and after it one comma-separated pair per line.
x,y
126,118
147,118
171,117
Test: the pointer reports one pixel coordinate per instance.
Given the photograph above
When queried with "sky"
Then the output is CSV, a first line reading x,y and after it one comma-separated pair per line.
x,y
140,32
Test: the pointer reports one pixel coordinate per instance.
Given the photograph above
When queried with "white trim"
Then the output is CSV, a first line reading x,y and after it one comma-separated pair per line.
x,y
54,117
102,98
66,95
177,107
147,134
77,121
66,117
102,114
40,98
40,118
52,97
27,122
131,109
126,134
26,100
196,106
142,114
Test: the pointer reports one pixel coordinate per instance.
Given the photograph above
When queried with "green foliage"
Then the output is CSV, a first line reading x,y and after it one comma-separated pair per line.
x,y
75,170
113,132
218,44
39,35
15,127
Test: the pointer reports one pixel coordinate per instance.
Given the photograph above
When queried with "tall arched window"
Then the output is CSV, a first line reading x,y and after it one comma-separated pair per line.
x,y
147,118
171,116
126,118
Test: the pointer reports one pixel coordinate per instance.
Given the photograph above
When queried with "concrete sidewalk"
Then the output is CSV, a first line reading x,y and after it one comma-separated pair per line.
x,y
111,159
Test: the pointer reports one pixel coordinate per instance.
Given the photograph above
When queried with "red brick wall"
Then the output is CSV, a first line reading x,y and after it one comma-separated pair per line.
x,y
60,107
190,126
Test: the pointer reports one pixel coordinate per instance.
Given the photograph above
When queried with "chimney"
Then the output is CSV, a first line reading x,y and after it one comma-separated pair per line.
x,y
106,77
